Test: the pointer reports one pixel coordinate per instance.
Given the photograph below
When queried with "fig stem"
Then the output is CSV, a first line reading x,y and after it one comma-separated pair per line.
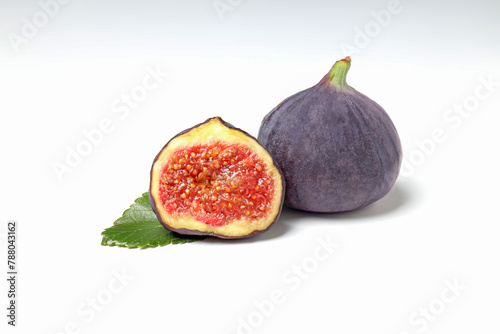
x,y
339,71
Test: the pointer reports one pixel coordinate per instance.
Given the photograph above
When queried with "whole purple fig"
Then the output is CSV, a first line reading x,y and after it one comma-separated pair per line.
x,y
337,148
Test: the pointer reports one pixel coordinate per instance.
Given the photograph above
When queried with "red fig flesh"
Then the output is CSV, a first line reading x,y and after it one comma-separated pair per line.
x,y
214,179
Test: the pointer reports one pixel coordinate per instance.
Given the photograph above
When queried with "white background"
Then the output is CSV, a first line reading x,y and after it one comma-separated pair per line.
x,y
395,259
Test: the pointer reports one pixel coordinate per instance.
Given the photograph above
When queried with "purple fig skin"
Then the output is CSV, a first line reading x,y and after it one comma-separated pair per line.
x,y
200,233
338,149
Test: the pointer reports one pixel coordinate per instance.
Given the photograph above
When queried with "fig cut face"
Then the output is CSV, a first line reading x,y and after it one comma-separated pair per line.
x,y
215,179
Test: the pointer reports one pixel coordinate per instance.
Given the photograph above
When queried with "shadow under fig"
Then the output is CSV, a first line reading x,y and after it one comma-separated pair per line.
x,y
401,197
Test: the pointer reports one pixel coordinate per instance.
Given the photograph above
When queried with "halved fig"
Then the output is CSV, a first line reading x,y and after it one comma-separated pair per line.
x,y
217,180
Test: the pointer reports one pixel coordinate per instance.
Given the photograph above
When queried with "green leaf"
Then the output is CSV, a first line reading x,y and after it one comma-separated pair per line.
x,y
139,228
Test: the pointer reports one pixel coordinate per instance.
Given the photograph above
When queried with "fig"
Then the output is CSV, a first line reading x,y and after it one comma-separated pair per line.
x,y
337,148
216,180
